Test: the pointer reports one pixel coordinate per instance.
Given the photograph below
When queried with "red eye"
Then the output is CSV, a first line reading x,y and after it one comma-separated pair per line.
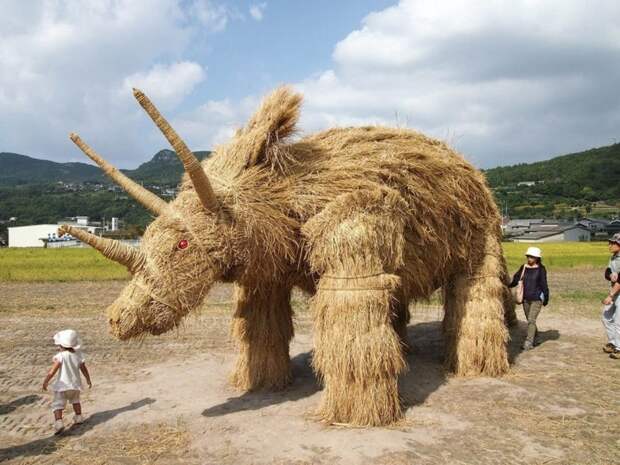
x,y
183,244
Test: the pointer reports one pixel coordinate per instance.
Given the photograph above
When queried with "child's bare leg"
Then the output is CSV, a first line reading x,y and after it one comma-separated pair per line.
x,y
77,408
58,414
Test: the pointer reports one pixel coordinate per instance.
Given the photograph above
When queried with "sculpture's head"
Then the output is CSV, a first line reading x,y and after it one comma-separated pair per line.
x,y
193,241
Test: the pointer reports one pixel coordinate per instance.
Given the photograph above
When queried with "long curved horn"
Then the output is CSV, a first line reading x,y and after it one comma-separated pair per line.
x,y
142,195
114,250
190,162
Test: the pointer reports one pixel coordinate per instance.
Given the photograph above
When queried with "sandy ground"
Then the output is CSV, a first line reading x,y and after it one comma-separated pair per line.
x,y
167,401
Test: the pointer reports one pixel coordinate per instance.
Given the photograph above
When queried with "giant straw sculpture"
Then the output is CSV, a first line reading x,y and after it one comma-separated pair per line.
x,y
365,219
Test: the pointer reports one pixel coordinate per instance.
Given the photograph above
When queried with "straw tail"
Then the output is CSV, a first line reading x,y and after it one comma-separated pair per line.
x,y
190,162
145,197
114,250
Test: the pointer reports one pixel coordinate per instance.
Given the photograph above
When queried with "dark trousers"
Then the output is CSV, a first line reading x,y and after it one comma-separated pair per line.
x,y
531,309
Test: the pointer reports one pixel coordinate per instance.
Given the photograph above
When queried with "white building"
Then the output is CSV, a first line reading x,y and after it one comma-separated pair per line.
x,y
31,236
83,223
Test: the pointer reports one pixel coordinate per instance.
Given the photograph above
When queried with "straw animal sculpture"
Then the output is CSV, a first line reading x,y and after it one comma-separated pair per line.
x,y
365,219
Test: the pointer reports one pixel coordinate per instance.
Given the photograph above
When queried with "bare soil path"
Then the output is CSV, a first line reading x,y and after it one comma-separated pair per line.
x,y
166,400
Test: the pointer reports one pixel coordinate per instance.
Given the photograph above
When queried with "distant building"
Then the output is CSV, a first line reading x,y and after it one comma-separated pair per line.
x,y
83,222
34,235
613,227
46,235
555,233
515,227
594,224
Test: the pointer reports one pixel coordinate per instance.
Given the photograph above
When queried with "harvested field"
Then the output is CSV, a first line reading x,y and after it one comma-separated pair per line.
x,y
166,400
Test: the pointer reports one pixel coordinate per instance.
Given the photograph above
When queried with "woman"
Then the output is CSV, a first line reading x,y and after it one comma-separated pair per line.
x,y
535,291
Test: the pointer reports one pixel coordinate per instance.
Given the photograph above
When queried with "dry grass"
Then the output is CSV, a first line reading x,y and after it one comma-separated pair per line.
x,y
142,445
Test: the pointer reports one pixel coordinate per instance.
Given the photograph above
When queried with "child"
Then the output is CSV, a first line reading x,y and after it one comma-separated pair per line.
x,y
68,363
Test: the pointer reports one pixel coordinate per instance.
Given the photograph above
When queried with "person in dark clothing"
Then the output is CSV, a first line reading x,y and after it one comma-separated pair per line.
x,y
535,291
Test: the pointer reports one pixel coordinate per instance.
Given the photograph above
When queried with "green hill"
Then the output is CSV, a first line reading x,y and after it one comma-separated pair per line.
x,y
583,183
163,169
15,170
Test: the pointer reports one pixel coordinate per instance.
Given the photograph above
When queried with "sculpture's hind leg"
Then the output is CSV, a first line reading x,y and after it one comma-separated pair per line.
x,y
263,326
474,326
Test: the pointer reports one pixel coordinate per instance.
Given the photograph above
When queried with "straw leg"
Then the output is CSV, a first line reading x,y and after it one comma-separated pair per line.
x,y
263,327
474,327
358,354
510,314
400,319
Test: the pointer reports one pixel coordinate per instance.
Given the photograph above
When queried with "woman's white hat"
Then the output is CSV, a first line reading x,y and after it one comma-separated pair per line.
x,y
67,338
533,252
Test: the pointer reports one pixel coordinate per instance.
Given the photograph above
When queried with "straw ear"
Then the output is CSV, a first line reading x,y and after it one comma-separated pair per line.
x,y
273,122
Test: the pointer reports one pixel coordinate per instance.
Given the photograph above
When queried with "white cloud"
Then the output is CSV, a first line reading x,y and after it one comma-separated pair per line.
x,y
214,122
257,10
503,82
214,17
507,81
167,85
63,65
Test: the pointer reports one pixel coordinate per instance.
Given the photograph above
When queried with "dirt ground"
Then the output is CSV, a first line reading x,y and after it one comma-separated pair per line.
x,y
166,400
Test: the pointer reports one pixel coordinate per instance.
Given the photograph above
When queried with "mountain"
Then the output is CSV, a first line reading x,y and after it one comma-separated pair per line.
x,y
597,169
18,169
570,185
163,169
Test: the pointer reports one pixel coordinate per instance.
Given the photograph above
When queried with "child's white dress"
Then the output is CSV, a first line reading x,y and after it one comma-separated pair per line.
x,y
68,384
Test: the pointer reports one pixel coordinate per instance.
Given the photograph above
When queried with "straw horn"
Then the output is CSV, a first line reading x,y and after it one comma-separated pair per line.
x,y
142,195
190,162
114,250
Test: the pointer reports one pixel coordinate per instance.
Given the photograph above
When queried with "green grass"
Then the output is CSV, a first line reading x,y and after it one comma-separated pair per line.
x,y
557,255
57,265
88,265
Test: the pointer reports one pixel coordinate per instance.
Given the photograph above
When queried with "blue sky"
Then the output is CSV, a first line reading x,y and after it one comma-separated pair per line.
x,y
503,82
293,40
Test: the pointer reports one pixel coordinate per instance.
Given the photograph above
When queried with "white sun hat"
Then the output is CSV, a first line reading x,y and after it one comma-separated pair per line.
x,y
533,252
67,338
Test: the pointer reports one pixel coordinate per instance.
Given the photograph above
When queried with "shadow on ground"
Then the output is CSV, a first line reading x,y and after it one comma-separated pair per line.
x,y
304,385
517,337
48,445
14,404
425,375
426,371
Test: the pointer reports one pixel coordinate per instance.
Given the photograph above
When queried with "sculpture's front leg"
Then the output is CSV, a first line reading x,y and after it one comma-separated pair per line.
x,y
263,326
356,245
